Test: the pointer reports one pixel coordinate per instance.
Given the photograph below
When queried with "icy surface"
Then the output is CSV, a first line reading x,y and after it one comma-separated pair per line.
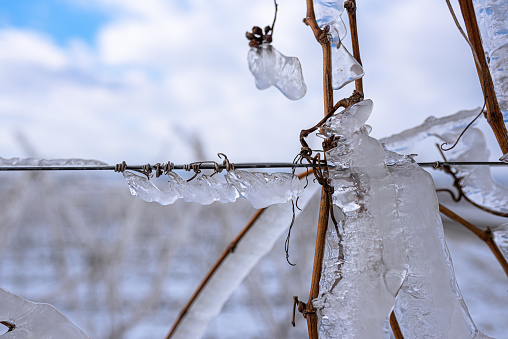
x,y
35,320
272,68
261,189
429,304
363,271
493,24
345,68
431,127
477,181
257,243
501,238
504,158
328,13
49,162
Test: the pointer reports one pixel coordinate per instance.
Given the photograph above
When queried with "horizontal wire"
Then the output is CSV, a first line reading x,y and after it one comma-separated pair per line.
x,y
434,164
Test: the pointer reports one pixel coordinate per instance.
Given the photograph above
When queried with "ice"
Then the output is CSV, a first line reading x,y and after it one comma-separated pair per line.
x,y
477,181
432,126
493,24
257,243
345,68
35,320
272,68
48,162
261,189
429,304
501,238
504,158
328,13
360,281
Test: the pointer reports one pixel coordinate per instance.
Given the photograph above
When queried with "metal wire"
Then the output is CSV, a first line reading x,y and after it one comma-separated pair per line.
x,y
237,165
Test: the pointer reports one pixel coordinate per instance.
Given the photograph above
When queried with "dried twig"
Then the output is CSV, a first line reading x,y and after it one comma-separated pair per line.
x,y
395,326
350,6
485,235
494,115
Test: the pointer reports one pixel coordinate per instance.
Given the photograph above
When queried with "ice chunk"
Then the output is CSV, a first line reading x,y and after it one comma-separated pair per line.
x,y
256,243
431,127
261,189
345,68
429,303
365,269
504,158
328,13
48,162
477,181
501,238
493,24
272,68
35,320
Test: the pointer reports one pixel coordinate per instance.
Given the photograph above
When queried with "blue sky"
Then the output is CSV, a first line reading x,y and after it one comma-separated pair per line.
x,y
60,19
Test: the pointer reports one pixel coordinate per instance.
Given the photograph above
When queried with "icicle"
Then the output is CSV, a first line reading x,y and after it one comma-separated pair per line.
x,y
357,295
477,182
49,162
345,68
429,304
272,68
35,320
430,127
501,238
491,16
257,243
261,189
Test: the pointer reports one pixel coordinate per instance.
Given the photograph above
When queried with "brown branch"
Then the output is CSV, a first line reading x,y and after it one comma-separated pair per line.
x,y
229,250
395,326
485,236
350,6
310,313
494,115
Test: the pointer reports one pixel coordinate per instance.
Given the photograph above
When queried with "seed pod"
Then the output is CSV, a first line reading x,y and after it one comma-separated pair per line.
x,y
267,38
257,30
267,29
254,43
249,35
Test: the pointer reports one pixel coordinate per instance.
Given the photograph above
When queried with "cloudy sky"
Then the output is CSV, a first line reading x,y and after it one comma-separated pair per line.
x,y
139,80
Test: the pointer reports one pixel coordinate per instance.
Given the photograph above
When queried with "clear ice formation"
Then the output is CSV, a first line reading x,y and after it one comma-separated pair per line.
x,y
328,13
432,126
261,189
429,304
501,238
23,162
504,158
391,251
365,270
35,320
493,24
478,184
256,243
272,68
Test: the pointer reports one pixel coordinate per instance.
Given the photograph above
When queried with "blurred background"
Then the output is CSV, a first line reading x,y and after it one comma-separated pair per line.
x,y
157,80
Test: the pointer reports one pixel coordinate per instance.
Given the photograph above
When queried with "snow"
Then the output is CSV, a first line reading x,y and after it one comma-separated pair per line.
x,y
261,189
272,68
35,320
491,16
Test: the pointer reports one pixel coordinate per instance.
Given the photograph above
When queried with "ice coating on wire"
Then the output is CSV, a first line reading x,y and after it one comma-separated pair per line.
x,y
254,245
35,320
12,162
261,189
492,18
429,303
272,68
477,181
365,269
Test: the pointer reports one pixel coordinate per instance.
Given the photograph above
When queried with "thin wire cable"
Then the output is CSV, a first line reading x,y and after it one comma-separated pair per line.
x,y
237,166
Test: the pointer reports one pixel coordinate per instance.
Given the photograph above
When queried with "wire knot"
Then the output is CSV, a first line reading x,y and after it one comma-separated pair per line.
x,y
121,167
229,165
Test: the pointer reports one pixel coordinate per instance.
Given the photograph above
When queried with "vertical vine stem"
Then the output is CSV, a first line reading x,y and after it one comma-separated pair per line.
x,y
350,6
494,115
485,235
